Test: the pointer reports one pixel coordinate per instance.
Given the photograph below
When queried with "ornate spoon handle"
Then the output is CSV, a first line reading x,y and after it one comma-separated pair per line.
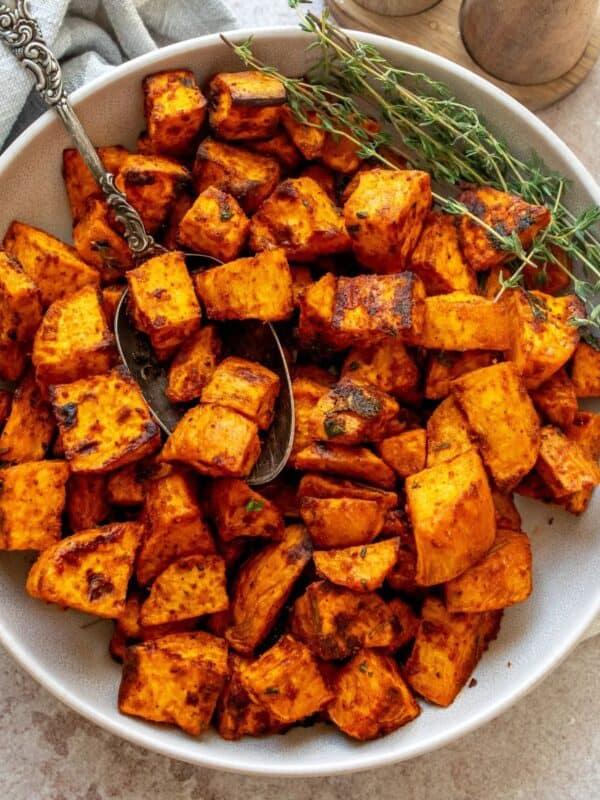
x,y
21,34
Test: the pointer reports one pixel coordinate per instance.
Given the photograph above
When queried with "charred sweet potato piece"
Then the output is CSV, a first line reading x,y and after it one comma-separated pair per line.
x,y
446,650
501,579
32,500
362,569
262,586
387,365
175,109
585,371
20,304
461,321
341,521
111,297
405,453
335,622
193,365
502,421
384,216
506,213
259,287
73,340
447,433
563,465
308,138
352,413
299,217
245,105
175,525
13,361
370,697
89,570
189,587
87,503
543,338
163,301
104,422
214,441
246,387
29,427
556,399
278,146
5,403
215,225
175,679
358,463
127,486
506,512
306,393
249,177
80,184
401,578
287,681
237,510
54,266
438,260
316,485
443,367
452,514
99,244
316,304
301,278
324,177
584,431
404,622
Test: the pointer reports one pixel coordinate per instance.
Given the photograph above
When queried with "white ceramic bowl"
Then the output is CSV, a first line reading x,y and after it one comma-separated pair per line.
x,y
68,656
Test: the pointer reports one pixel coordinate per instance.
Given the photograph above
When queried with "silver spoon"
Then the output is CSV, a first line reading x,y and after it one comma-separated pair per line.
x,y
254,340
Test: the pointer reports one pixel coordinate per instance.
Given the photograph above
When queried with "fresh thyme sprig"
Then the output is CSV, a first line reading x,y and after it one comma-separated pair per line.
x,y
447,138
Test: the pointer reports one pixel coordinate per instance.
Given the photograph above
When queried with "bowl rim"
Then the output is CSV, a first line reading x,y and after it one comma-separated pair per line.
x,y
356,762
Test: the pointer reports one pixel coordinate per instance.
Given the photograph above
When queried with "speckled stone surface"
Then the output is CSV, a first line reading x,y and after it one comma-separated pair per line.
x,y
545,748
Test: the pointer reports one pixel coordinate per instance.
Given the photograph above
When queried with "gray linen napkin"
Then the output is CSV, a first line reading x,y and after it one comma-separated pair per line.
x,y
90,37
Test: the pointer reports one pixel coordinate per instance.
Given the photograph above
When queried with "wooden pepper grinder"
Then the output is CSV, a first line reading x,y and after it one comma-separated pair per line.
x,y
527,41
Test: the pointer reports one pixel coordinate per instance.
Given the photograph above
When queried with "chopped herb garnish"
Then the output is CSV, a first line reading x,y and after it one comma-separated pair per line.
x,y
306,203
254,505
271,690
226,212
353,365
333,427
362,214
364,583
363,552
440,446
363,666
445,359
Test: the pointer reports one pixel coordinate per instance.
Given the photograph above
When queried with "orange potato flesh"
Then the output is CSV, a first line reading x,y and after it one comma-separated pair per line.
x,y
349,462
20,302
214,225
563,465
405,453
237,510
447,433
341,521
438,260
443,367
29,427
193,365
245,105
585,372
318,485
362,569
556,399
175,109
386,365
87,503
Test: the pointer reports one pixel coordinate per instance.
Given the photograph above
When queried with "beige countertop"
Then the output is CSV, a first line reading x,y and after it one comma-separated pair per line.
x,y
547,747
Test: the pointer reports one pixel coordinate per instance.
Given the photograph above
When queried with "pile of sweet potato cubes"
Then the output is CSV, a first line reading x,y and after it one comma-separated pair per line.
x,y
375,570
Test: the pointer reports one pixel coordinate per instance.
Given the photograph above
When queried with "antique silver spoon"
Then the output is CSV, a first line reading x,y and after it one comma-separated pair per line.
x,y
254,340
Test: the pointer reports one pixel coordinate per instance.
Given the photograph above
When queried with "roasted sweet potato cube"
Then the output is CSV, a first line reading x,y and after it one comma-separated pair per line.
x,y
193,365
362,569
316,304
324,177
384,216
281,147
502,421
507,514
244,386
20,304
249,177
80,184
111,297
286,680
30,426
175,109
151,184
340,153
335,622
402,576
301,278
163,301
175,525
215,225
262,586
461,321
447,433
13,361
237,510
387,365
32,500
556,399
308,136
189,587
237,714
443,367
563,465
104,422
506,213
73,340
54,266
405,453
342,521
98,243
445,653
306,394
259,287
584,431
316,485
299,217
370,697
404,622
214,441
358,463
176,679
438,260
585,371
89,570
452,514
543,338
245,105
501,579
87,503
127,486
